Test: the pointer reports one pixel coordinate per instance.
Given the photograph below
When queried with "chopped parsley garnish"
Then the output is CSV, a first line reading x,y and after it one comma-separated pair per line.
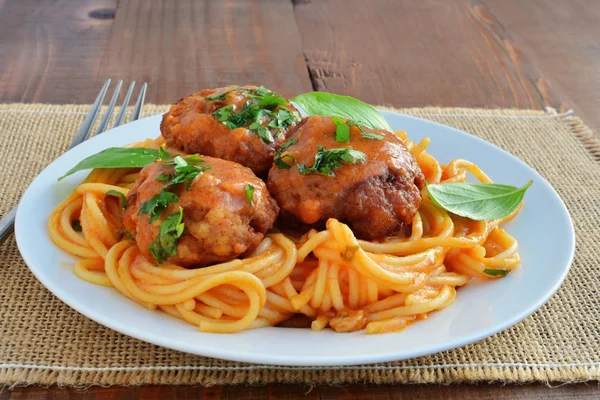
x,y
238,119
165,245
282,164
186,170
278,159
120,195
259,92
272,100
342,131
76,225
354,123
157,204
283,119
262,132
223,113
365,134
496,272
260,108
218,96
327,160
249,193
373,136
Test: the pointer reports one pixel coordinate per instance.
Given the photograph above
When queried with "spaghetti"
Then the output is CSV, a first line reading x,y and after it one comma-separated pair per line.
x,y
328,276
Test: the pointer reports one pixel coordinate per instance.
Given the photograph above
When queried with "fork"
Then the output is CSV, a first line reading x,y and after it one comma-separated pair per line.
x,y
8,221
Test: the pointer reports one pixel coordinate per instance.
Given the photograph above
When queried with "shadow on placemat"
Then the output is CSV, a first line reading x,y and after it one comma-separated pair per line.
x,y
42,341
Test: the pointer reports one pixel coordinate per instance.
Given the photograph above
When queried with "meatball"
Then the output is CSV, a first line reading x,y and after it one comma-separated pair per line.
x,y
242,124
225,210
372,182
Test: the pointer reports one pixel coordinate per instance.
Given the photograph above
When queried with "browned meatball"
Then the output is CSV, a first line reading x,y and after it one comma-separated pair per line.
x,y
242,124
219,221
376,191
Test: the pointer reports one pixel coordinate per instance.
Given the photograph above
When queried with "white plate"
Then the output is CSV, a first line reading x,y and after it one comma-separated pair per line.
x,y
543,229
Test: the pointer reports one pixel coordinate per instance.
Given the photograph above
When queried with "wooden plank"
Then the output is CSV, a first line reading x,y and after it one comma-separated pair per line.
x,y
495,53
185,46
417,53
563,39
50,51
290,392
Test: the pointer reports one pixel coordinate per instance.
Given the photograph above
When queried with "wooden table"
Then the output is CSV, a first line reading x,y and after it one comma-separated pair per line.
x,y
489,53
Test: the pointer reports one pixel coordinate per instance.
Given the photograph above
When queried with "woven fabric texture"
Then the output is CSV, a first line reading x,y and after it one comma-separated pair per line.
x,y
43,341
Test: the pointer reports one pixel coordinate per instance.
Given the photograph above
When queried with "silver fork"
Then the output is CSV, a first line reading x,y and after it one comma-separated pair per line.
x,y
8,221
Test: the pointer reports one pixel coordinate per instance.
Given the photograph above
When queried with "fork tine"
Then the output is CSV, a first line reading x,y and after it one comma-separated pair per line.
x,y
121,115
86,127
137,111
7,222
111,105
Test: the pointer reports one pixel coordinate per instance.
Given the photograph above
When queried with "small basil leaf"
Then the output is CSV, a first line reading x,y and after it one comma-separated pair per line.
x,y
477,201
329,104
116,157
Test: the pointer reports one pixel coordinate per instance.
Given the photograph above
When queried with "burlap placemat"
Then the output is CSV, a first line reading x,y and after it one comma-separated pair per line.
x,y
42,341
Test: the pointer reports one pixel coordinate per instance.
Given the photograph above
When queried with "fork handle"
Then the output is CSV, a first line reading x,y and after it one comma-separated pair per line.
x,y
7,224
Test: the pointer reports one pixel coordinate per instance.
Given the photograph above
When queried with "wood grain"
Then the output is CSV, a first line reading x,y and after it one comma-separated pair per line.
x,y
563,40
430,52
488,53
50,51
185,46
289,392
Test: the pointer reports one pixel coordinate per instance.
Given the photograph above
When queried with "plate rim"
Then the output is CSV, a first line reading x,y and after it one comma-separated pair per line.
x,y
304,361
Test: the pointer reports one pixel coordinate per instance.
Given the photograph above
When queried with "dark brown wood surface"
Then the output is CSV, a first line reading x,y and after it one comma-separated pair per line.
x,y
489,53
289,392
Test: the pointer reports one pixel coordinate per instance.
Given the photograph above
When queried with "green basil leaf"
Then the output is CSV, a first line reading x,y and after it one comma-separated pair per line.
x,y
119,195
496,272
116,157
329,104
249,193
477,201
